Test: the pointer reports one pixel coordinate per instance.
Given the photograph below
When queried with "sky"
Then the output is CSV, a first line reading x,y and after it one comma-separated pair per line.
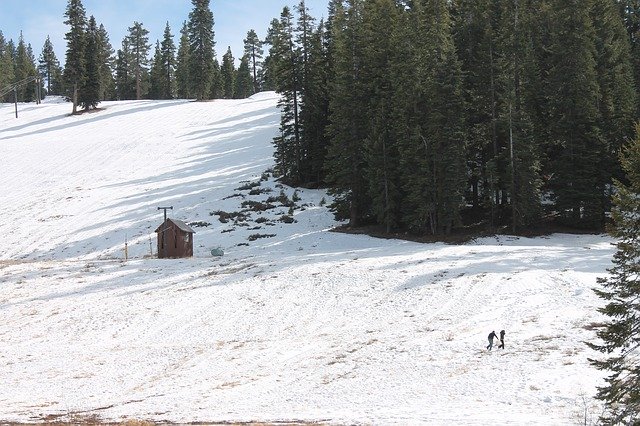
x,y
38,19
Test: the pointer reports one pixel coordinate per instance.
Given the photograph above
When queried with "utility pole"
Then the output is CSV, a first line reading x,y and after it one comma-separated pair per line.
x,y
15,98
163,229
165,211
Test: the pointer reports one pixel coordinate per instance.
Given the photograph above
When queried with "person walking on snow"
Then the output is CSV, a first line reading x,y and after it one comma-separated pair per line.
x,y
501,346
492,336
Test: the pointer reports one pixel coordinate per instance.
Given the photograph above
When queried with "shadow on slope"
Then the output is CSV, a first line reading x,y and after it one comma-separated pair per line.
x,y
225,157
92,118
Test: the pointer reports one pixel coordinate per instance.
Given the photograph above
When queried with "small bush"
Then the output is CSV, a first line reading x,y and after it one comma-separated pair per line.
x,y
225,217
323,202
282,199
259,191
262,219
254,237
257,206
199,224
233,196
248,186
295,197
287,219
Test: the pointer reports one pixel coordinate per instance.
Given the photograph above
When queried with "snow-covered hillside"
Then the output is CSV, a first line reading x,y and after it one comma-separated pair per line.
x,y
293,323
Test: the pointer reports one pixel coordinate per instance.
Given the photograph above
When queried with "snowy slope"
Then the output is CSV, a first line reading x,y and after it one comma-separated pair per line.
x,y
301,324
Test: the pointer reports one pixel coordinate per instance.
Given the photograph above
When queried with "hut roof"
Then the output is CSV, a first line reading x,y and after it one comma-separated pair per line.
x,y
180,224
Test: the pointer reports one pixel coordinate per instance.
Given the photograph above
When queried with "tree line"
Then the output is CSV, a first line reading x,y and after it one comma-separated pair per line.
x,y
427,116
95,72
420,116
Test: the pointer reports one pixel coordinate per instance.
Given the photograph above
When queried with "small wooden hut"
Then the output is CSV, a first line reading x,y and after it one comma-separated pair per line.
x,y
175,239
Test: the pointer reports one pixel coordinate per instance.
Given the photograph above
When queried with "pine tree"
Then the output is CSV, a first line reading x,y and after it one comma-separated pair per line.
x,y
168,60
304,37
24,68
8,57
288,149
125,76
345,162
630,11
6,65
254,52
50,69
228,71
217,84
304,33
269,66
90,92
316,105
244,83
183,89
156,75
381,19
138,40
201,50
578,145
515,58
74,68
620,336
617,102
107,64
437,146
475,27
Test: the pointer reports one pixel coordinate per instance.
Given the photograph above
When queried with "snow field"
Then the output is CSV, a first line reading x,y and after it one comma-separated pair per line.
x,y
308,325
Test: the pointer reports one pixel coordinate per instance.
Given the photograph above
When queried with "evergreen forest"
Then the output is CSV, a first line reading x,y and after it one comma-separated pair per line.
x,y
431,117
422,117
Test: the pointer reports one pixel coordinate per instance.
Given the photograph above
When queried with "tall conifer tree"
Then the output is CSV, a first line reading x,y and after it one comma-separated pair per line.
x,y
620,335
183,89
380,22
6,66
138,39
24,68
125,76
475,32
578,144
288,152
107,64
50,69
515,58
617,102
228,71
244,83
435,193
254,52
201,49
156,74
168,60
347,129
316,105
90,94
74,68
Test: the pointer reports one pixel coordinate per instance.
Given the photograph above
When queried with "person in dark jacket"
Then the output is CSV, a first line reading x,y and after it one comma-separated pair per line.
x,y
501,346
492,336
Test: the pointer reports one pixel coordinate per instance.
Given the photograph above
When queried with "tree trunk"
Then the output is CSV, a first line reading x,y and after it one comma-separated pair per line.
x,y
75,98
